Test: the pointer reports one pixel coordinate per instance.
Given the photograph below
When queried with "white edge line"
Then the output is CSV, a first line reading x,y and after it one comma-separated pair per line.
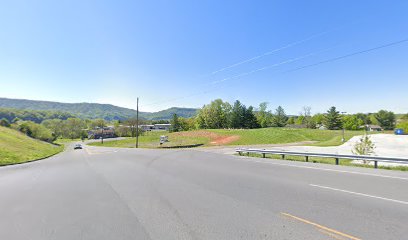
x,y
360,194
325,169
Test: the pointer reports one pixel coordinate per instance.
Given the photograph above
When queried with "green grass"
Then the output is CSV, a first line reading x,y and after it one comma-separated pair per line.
x,y
16,147
62,141
244,137
343,162
152,139
288,135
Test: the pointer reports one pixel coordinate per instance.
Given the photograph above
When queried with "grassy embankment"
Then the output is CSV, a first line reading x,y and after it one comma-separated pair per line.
x,y
237,137
16,147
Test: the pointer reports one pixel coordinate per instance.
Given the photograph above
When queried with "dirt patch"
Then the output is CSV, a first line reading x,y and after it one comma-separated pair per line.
x,y
222,140
215,139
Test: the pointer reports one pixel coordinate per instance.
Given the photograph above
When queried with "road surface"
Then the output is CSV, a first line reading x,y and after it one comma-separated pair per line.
x,y
109,193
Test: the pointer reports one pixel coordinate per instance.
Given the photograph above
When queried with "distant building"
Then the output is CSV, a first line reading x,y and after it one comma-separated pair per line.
x,y
156,127
97,133
147,127
372,128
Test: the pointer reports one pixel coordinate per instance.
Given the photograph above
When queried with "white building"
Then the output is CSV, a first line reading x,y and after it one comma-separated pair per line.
x,y
156,127
373,128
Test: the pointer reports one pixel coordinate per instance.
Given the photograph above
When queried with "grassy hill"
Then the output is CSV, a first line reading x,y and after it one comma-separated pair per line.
x,y
238,137
168,113
93,110
16,147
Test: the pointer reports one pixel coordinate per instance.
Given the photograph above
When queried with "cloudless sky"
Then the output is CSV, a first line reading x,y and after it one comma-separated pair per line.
x,y
168,53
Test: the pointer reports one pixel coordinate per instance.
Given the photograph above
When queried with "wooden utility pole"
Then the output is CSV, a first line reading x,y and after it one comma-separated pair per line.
x,y
137,123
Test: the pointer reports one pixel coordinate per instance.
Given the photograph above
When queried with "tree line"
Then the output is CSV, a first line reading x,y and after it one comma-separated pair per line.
x,y
220,114
37,116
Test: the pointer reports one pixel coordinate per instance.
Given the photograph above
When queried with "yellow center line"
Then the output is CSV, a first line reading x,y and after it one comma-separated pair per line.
x,y
337,237
320,226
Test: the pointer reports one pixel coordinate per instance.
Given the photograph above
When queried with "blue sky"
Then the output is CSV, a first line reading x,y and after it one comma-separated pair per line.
x,y
166,52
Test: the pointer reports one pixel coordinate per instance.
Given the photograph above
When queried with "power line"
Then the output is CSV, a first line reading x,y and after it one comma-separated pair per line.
x,y
269,52
292,70
350,55
241,75
272,66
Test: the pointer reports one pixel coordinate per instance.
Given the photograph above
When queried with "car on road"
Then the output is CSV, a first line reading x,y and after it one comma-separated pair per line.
x,y
78,146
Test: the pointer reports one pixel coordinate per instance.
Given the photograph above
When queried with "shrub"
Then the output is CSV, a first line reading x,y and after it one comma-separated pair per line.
x,y
404,126
4,122
35,130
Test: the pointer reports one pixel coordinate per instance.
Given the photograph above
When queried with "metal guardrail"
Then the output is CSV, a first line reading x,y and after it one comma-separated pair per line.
x,y
337,157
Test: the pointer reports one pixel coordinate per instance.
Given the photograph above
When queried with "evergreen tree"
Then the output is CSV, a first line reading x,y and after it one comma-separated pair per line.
x,y
175,122
332,119
250,120
279,119
237,115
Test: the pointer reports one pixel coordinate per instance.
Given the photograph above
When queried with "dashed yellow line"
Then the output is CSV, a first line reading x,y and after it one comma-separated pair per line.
x,y
329,230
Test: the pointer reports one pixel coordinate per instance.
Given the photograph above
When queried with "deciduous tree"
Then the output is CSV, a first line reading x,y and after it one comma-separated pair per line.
x,y
386,119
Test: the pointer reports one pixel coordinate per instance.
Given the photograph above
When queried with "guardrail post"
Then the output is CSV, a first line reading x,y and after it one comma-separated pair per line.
x,y
310,156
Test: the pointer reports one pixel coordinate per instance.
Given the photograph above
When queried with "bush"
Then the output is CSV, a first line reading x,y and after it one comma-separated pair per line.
x,y
4,122
404,126
35,130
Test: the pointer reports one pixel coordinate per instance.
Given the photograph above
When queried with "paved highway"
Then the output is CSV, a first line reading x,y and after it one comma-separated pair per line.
x,y
108,193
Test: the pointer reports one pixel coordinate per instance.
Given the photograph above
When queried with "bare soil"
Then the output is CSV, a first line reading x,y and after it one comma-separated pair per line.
x,y
215,139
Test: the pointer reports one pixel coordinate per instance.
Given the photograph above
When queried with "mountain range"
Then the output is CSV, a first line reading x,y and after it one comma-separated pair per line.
x,y
95,110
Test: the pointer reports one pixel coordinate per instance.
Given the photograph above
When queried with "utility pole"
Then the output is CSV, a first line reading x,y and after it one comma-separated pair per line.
x,y
343,139
137,123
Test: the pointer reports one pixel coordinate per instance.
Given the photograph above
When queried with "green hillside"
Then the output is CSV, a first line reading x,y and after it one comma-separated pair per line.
x,y
168,113
216,137
94,110
16,147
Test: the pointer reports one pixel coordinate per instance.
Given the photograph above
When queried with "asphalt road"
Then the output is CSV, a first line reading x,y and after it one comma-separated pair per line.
x,y
108,193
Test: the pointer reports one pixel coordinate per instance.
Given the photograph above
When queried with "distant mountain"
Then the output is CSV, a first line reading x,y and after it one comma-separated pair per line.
x,y
94,110
168,113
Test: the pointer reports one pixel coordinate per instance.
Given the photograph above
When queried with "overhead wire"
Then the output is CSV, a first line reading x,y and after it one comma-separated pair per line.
x,y
291,70
243,74
269,52
349,55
